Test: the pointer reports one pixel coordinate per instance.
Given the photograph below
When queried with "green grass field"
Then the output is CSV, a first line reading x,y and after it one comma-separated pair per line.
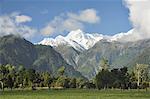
x,y
75,94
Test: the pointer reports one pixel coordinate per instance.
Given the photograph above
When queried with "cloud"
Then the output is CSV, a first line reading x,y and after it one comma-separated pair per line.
x,y
9,25
139,15
70,21
47,30
88,15
23,18
71,24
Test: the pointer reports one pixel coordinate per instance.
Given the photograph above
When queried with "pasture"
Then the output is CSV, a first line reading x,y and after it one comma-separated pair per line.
x,y
75,94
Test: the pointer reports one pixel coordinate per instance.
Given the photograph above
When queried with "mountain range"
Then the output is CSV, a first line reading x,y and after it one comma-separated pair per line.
x,y
18,51
80,40
79,52
84,51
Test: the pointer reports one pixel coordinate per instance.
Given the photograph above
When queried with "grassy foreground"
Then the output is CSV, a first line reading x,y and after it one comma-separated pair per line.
x,y
75,94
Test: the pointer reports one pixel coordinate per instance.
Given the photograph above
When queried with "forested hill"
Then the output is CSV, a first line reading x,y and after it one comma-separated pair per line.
x,y
17,51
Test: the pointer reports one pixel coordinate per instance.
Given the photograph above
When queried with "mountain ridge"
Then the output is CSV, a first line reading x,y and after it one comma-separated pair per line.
x,y
86,62
119,51
18,51
81,40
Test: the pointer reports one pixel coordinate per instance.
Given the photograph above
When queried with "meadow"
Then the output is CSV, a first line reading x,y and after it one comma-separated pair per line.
x,y
75,94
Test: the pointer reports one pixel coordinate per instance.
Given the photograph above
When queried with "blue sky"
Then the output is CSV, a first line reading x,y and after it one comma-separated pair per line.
x,y
112,13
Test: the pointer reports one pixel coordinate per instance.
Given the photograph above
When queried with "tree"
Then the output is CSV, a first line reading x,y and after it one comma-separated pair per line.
x,y
72,83
124,77
46,78
10,82
61,70
31,78
4,78
80,83
60,81
3,72
11,75
141,72
104,79
104,64
116,78
21,77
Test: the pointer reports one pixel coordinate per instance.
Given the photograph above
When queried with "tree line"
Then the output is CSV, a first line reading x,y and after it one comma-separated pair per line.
x,y
120,78
11,77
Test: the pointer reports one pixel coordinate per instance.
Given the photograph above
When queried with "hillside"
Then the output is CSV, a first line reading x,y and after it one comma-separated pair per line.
x,y
18,51
119,54
69,54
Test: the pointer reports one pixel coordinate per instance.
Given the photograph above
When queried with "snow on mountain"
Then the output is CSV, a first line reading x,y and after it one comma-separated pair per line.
x,y
80,40
77,39
120,36
83,39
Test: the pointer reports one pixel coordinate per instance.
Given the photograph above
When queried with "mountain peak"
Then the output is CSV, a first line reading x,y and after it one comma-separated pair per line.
x,y
77,39
75,34
81,40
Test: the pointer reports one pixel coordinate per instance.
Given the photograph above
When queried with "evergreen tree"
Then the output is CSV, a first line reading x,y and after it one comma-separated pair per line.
x,y
104,65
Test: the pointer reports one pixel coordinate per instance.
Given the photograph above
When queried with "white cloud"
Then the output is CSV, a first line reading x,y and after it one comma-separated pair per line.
x,y
71,24
139,15
47,30
70,21
88,15
23,18
8,25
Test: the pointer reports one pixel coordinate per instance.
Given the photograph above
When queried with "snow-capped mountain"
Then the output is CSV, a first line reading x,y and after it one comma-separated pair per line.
x,y
77,39
121,37
80,40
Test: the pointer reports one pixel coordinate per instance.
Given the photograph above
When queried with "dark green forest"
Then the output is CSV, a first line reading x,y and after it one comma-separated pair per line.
x,y
119,78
